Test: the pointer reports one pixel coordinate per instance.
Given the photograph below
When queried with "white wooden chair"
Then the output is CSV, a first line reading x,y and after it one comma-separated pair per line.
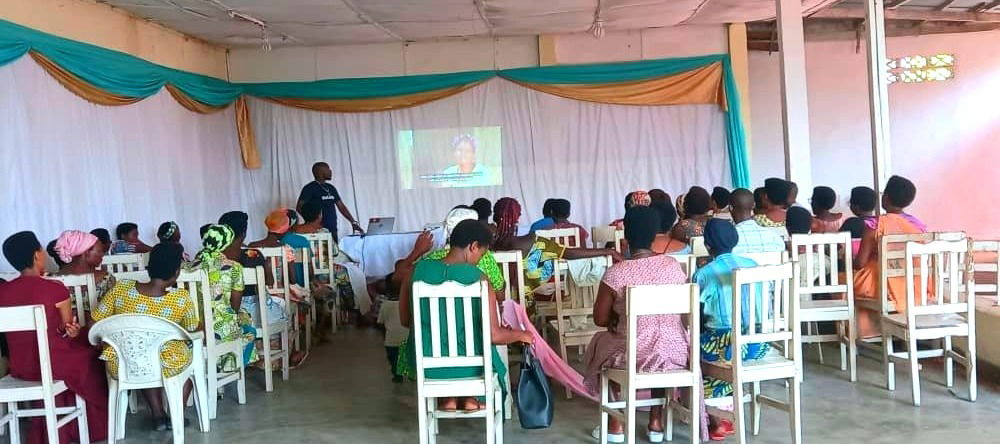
x,y
14,391
698,248
83,291
991,266
196,283
651,300
776,320
269,327
819,274
689,264
447,354
118,263
280,287
573,322
137,340
942,306
512,266
323,252
303,258
603,235
780,231
768,258
567,237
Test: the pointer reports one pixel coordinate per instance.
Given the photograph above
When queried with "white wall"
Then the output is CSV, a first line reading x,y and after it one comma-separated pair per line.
x,y
102,25
943,133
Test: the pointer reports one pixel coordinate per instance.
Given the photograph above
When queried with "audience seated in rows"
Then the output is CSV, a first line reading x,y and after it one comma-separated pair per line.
x,y
775,203
127,235
638,198
664,243
752,238
720,202
825,221
546,221
561,213
696,204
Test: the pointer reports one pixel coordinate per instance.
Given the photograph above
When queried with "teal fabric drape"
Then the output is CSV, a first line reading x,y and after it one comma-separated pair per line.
x,y
364,88
113,71
128,76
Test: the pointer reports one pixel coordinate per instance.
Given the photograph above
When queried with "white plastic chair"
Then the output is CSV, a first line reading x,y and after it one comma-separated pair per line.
x,y
83,290
137,340
567,237
14,391
119,263
428,390
980,266
946,311
819,274
650,300
268,327
777,321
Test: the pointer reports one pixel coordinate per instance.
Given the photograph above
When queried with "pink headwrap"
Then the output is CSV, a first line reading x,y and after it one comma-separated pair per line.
x,y
73,243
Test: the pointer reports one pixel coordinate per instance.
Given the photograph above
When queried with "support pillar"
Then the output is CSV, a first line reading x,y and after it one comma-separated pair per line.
x,y
740,60
878,94
794,99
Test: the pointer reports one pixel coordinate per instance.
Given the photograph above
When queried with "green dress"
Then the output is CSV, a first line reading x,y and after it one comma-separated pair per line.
x,y
433,271
487,264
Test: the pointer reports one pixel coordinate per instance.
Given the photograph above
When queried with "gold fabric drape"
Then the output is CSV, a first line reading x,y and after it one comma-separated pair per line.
x,y
374,104
248,141
79,87
192,104
698,86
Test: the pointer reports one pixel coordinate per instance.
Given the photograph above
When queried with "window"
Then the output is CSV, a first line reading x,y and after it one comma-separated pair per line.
x,y
918,69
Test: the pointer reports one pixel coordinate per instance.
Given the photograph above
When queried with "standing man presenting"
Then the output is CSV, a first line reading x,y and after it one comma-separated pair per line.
x,y
328,198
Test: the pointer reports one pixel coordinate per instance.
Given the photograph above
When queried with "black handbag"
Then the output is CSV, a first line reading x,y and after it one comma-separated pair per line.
x,y
534,396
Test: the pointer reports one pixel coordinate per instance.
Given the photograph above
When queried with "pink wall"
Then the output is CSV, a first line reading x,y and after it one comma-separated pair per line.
x,y
944,134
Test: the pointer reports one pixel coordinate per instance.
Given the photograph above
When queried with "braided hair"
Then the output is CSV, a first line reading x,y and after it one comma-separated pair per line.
x,y
506,212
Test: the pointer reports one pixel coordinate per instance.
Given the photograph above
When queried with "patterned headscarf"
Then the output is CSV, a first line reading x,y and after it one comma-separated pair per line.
x,y
216,239
680,205
506,212
167,231
454,217
73,243
277,221
638,198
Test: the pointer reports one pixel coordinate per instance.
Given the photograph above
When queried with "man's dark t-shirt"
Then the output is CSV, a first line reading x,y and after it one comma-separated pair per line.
x,y
327,196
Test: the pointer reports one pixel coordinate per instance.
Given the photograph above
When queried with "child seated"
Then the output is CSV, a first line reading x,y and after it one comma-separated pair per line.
x,y
395,333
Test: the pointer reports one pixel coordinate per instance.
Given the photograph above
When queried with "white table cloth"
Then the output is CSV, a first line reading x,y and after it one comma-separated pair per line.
x,y
377,254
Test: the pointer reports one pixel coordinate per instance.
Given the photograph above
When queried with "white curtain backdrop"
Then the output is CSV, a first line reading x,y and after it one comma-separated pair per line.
x,y
592,154
70,164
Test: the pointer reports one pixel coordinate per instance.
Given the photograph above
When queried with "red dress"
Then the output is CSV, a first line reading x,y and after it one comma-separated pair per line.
x,y
74,360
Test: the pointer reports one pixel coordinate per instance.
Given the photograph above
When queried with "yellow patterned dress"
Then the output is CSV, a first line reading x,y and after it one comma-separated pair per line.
x,y
175,306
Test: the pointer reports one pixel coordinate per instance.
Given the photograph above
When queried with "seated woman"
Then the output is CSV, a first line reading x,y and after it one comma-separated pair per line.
x,y
160,298
862,205
128,240
696,205
50,249
82,253
225,277
825,220
663,343
469,241
560,214
664,243
487,264
170,233
539,253
899,194
758,200
327,289
72,359
104,237
716,282
638,198
775,203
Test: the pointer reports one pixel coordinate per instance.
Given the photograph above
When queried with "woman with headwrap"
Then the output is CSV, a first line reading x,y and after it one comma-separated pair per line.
x,y
82,253
487,264
716,282
73,360
225,277
329,290
638,198
775,203
539,253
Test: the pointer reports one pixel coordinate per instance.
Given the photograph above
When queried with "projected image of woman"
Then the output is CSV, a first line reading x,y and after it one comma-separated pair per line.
x,y
466,172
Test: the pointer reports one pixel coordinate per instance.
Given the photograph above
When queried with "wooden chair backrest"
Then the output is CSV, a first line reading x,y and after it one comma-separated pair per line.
x,y
986,261
647,300
567,237
772,306
512,266
698,248
444,311
82,291
279,268
689,264
28,318
323,251
118,263
939,279
825,256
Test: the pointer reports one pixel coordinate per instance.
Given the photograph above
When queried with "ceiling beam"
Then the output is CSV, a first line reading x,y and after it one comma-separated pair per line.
x,y
893,4
367,19
857,12
945,5
481,7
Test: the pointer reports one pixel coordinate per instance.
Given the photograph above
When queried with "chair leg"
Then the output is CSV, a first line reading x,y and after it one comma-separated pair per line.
x,y
630,415
81,421
970,369
911,352
887,363
668,426
565,357
498,416
212,391
755,407
795,410
694,408
852,348
738,412
604,403
309,323
422,429
268,369
489,416
122,413
15,426
200,407
284,355
241,385
174,391
51,430
949,363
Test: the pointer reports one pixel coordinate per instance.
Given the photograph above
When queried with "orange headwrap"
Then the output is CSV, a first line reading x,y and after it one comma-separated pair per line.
x,y
277,221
